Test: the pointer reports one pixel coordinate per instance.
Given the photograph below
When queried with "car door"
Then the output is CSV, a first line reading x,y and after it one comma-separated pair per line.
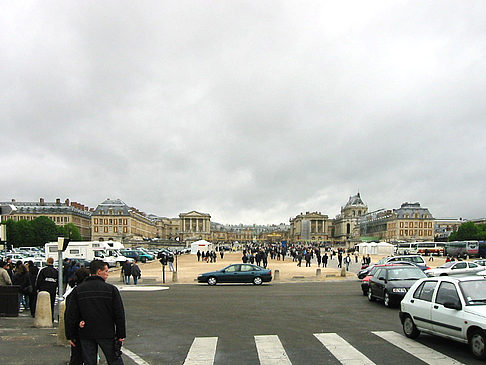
x,y
458,268
247,273
231,274
421,304
474,267
447,321
378,282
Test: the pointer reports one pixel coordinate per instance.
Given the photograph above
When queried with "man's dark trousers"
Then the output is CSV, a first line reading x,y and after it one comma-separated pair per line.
x,y
90,351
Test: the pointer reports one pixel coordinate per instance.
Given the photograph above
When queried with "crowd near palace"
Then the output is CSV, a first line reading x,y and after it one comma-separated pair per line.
x,y
114,220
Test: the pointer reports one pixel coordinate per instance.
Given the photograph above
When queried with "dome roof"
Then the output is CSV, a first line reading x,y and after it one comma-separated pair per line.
x,y
355,200
116,206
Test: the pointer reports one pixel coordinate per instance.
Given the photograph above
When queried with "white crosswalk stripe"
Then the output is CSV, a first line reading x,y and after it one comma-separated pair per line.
x,y
202,351
271,351
342,350
416,349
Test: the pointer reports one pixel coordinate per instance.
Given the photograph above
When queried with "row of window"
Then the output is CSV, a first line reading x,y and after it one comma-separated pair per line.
x,y
31,218
110,229
119,221
411,232
416,224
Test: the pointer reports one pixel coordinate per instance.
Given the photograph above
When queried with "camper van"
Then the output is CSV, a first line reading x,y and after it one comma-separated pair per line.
x,y
89,250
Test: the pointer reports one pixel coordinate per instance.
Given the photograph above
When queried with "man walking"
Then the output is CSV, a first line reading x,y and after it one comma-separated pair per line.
x,y
47,281
96,316
347,261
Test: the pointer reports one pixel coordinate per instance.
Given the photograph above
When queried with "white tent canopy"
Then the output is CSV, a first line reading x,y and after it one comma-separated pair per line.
x,y
201,245
385,249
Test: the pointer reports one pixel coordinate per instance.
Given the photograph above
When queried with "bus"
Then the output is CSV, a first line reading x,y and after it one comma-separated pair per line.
x,y
406,248
462,248
430,248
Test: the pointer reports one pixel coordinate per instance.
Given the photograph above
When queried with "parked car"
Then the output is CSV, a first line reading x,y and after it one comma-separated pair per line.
x,y
391,283
451,307
481,262
456,268
365,281
237,273
137,255
417,260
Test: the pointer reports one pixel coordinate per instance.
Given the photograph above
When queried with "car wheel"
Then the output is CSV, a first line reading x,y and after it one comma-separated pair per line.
x,y
387,301
365,293
370,296
409,328
257,281
477,342
212,281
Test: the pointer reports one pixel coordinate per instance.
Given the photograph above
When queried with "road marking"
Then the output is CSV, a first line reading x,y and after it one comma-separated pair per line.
x,y
202,351
342,350
271,351
136,359
141,288
415,348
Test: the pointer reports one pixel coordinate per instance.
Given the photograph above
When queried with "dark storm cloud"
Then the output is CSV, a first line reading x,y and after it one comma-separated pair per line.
x,y
252,112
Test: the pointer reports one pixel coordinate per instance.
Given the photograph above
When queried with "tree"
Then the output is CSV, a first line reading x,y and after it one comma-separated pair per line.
x,y
69,231
13,236
44,229
466,231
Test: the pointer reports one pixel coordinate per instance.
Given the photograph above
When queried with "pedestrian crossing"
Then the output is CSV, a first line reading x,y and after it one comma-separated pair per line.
x,y
271,351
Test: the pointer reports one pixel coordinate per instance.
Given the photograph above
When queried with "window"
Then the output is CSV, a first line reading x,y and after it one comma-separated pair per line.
x,y
460,265
247,268
120,221
96,221
96,229
472,264
125,229
401,224
425,291
420,224
115,229
232,268
106,220
447,293
105,229
420,232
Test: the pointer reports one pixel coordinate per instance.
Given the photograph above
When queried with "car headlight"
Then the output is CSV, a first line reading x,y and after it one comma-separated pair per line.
x,y
399,290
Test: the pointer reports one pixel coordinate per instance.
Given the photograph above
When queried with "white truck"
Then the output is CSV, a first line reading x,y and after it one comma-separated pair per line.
x,y
86,250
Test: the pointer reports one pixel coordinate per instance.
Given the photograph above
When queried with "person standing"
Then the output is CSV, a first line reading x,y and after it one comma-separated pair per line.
x,y
307,259
96,315
340,259
47,281
198,255
33,272
136,272
170,260
347,261
319,258
127,271
324,259
4,276
21,278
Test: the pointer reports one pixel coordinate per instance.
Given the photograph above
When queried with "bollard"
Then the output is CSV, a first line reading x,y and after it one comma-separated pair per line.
x,y
174,276
318,272
343,271
276,276
43,313
61,334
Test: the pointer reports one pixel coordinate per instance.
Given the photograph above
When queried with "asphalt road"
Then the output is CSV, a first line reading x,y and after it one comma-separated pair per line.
x,y
163,325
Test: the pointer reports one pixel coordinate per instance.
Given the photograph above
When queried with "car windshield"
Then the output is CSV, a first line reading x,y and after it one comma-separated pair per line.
x,y
382,261
415,259
447,265
474,291
405,273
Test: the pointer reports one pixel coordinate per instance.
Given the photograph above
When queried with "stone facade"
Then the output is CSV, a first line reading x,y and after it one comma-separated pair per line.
x,y
114,220
195,226
410,223
59,212
313,227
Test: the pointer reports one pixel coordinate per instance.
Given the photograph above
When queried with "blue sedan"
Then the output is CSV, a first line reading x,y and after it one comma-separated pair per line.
x,y
237,273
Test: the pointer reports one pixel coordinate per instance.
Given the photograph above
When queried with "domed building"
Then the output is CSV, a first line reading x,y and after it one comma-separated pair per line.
x,y
346,224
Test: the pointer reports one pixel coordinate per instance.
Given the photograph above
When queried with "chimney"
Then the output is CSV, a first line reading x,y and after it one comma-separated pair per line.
x,y
41,201
58,201
67,202
13,200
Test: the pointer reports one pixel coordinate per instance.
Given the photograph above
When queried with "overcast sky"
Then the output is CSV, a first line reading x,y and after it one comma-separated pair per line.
x,y
251,111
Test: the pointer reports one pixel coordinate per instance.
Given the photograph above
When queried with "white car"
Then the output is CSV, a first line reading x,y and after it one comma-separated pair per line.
x,y
451,307
455,268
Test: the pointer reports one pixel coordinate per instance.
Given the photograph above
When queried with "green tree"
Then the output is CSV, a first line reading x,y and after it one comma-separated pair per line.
x,y
466,231
26,233
13,236
69,231
44,229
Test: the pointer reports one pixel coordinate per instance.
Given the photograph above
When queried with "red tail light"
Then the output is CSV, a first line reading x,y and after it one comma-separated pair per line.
x,y
270,272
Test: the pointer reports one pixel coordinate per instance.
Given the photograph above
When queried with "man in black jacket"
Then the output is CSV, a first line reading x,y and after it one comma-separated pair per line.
x,y
95,313
47,281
